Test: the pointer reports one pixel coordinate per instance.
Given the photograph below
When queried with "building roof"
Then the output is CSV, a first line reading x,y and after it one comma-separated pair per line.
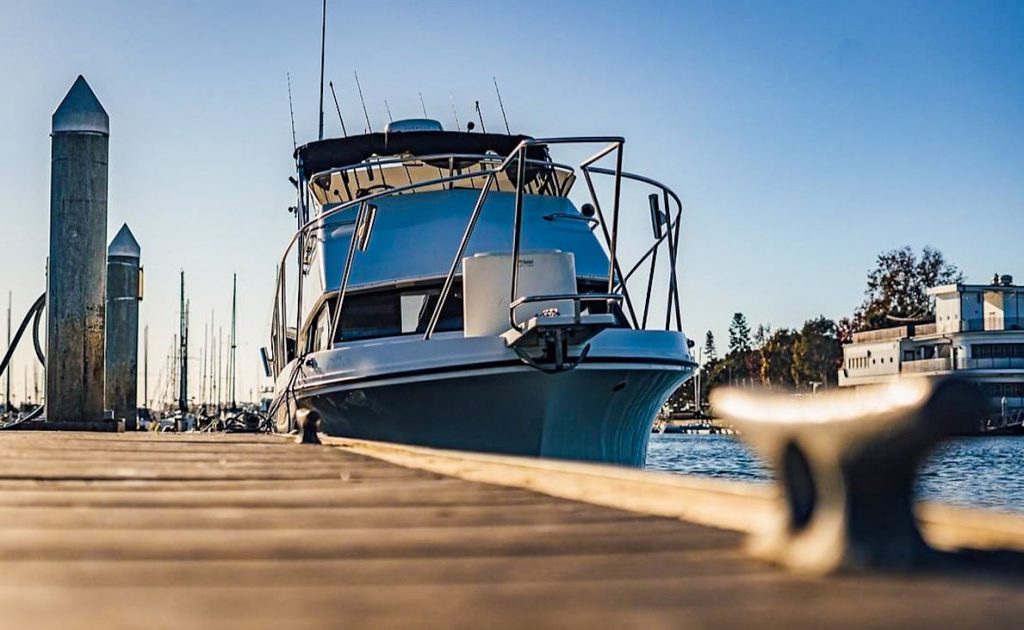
x,y
962,288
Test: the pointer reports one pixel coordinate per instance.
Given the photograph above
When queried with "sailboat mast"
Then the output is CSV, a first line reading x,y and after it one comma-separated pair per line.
x,y
183,352
234,341
145,367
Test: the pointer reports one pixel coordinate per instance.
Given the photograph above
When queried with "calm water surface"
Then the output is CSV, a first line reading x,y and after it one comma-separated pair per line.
x,y
976,472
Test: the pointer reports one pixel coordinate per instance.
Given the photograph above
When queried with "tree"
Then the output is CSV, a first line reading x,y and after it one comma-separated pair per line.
x,y
777,358
896,287
739,334
817,353
761,335
710,352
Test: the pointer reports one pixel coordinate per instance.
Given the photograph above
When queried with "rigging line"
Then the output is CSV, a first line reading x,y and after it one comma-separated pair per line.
x,y
455,114
423,105
291,112
502,105
480,116
388,108
362,100
338,107
323,47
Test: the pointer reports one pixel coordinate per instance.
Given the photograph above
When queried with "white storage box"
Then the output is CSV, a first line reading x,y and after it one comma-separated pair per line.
x,y
487,284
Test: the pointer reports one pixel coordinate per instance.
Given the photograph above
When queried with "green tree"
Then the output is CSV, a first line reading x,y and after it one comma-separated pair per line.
x,y
817,353
739,334
710,352
777,358
896,287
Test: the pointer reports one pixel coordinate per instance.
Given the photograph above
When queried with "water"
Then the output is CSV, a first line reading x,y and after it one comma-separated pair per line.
x,y
974,472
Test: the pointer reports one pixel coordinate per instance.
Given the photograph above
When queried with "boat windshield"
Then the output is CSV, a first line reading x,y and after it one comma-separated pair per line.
x,y
349,183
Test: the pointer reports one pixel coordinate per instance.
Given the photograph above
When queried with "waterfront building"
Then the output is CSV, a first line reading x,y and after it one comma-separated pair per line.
x,y
978,331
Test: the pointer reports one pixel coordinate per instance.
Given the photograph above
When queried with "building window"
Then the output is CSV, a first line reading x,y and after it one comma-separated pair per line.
x,y
998,390
997,351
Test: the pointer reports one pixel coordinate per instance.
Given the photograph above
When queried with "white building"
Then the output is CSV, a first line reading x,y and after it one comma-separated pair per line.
x,y
978,331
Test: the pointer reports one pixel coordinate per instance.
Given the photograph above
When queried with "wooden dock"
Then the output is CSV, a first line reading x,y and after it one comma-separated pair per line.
x,y
165,530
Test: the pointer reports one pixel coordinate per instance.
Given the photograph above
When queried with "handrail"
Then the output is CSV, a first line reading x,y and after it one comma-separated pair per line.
x,y
569,217
671,232
398,161
320,218
617,280
577,300
581,297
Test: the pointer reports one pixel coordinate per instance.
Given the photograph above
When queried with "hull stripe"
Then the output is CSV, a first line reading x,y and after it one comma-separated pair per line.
x,y
682,363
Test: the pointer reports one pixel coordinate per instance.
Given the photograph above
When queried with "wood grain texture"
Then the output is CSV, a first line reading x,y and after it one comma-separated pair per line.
x,y
161,531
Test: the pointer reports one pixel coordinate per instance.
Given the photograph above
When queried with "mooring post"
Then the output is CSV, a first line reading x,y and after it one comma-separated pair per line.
x,y
846,464
76,277
122,325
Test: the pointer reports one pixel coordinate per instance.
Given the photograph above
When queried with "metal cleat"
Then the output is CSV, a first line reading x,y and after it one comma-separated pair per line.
x,y
846,463
309,425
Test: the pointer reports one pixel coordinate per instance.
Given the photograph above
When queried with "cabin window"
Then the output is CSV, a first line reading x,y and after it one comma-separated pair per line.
x,y
393,313
412,309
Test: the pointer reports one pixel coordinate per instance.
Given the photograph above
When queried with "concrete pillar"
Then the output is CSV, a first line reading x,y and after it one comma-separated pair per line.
x,y
77,265
122,338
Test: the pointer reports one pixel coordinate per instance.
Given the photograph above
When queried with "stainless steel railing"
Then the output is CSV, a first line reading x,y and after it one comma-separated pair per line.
x,y
609,230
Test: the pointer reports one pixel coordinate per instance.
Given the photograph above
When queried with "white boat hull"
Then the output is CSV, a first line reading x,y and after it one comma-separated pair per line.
x,y
475,394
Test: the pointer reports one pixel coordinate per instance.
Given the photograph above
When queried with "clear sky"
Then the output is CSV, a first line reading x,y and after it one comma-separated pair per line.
x,y
803,137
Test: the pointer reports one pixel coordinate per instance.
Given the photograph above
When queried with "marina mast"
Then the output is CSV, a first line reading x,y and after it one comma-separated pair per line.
x,y
183,351
234,341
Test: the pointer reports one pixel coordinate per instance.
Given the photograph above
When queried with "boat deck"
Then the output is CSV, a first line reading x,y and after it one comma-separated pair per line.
x,y
165,530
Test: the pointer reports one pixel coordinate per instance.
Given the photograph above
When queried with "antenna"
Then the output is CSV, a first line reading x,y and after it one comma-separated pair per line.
x,y
455,113
480,117
338,107
500,103
423,106
291,111
323,45
363,101
390,119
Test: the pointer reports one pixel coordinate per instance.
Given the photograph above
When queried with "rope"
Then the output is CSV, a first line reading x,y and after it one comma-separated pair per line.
x,y
34,314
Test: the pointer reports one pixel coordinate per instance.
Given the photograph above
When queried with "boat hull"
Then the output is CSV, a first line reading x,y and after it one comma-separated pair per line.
x,y
601,411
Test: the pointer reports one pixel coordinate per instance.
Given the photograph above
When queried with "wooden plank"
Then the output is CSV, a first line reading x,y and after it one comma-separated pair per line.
x,y
151,530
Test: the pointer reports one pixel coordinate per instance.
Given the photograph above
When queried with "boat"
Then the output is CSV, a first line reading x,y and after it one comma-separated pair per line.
x,y
442,289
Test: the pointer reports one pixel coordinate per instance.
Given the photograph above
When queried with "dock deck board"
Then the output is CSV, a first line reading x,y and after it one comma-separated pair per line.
x,y
131,530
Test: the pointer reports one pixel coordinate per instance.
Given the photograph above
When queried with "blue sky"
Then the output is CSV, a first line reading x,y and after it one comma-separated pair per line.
x,y
803,137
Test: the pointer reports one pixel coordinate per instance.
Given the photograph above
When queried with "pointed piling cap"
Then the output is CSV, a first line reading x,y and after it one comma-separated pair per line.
x,y
124,244
80,111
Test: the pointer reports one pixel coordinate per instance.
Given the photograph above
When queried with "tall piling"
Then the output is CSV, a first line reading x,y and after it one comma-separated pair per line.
x,y
76,274
124,292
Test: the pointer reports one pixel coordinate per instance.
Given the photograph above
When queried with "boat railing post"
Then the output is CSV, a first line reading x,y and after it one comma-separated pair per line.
x,y
349,257
517,227
614,264
674,249
449,280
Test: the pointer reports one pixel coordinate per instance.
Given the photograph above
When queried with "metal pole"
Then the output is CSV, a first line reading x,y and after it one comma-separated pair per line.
x,y
76,276
234,341
323,47
517,234
450,278
7,396
145,366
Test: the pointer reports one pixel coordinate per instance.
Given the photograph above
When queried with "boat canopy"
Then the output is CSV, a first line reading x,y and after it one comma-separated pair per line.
x,y
336,153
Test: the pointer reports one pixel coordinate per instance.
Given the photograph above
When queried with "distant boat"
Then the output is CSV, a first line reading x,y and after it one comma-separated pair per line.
x,y
476,310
